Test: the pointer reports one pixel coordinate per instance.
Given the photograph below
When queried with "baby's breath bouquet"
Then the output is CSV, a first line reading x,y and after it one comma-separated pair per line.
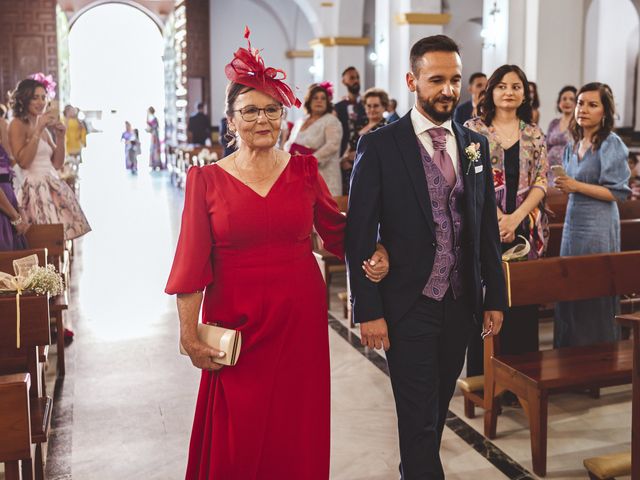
x,y
43,280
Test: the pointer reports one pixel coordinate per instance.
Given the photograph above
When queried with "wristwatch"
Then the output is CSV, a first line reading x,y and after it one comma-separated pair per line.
x,y
17,221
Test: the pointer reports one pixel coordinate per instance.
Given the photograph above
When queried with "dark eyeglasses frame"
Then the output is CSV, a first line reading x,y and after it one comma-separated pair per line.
x,y
264,110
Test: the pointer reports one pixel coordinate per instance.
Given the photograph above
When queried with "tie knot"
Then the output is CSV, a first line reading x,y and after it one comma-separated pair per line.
x,y
439,138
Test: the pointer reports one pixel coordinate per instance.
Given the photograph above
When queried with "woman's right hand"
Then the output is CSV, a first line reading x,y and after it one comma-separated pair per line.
x,y
202,355
22,228
43,121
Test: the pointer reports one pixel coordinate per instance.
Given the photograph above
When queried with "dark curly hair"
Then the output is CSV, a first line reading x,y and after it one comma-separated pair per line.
x,y
313,89
566,88
488,108
21,97
606,126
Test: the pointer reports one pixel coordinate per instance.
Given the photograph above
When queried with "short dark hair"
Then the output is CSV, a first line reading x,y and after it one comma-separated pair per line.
x,y
200,106
606,97
476,75
488,108
434,43
22,95
313,89
348,69
566,88
379,93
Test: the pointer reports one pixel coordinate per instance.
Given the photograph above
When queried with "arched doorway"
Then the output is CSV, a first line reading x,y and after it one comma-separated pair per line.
x,y
116,68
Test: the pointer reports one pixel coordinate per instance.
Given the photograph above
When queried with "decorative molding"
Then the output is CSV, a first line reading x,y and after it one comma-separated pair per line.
x,y
340,41
327,4
299,53
410,18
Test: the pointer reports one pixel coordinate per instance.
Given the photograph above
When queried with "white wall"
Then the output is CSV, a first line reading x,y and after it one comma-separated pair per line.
x,y
466,33
611,50
276,26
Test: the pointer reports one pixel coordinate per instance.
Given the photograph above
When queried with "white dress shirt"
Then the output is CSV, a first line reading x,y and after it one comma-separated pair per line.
x,y
421,124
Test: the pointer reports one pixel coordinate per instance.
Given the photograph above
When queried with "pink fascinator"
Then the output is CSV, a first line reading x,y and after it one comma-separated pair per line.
x,y
247,68
47,81
328,86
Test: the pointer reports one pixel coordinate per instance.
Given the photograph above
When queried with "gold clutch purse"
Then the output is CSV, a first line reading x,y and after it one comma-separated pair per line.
x,y
222,339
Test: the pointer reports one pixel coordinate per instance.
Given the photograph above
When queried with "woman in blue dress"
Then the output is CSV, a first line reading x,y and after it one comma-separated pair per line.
x,y
597,176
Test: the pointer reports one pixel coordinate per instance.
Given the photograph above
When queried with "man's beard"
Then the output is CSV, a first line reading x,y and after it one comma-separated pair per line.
x,y
429,107
354,89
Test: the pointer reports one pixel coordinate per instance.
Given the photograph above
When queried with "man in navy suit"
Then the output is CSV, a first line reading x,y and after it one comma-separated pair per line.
x,y
423,187
468,110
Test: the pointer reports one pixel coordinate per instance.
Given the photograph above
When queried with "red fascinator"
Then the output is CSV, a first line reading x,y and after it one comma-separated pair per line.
x,y
247,68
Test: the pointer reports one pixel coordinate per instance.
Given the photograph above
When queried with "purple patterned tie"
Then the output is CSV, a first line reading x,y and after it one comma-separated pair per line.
x,y
440,155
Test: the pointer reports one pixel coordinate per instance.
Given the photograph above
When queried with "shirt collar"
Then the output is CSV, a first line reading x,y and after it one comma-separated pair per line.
x,y
421,123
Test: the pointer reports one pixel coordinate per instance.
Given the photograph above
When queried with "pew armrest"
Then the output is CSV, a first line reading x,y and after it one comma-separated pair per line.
x,y
609,466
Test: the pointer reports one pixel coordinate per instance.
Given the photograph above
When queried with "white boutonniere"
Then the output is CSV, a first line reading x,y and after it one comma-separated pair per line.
x,y
473,154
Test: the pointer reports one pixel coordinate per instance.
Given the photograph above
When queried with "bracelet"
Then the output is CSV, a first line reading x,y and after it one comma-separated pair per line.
x,y
17,221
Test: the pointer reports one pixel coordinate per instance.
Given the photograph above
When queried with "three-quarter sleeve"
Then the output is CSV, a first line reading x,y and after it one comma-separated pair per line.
x,y
330,223
192,270
614,167
332,138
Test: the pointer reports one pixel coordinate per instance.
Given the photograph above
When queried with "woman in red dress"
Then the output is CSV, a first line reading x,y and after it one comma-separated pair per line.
x,y
246,241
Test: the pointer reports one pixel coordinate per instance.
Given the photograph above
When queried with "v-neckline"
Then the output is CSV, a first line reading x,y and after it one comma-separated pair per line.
x,y
237,180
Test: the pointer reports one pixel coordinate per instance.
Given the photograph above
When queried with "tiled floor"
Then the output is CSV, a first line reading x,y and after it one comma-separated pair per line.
x,y
124,411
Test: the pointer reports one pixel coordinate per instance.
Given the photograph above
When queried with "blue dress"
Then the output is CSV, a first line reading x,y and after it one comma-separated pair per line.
x,y
592,226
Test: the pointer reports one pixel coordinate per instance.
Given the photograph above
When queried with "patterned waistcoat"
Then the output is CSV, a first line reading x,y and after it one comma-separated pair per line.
x,y
447,206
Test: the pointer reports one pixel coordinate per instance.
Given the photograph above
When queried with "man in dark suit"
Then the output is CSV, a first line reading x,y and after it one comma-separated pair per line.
x,y
199,127
423,187
468,110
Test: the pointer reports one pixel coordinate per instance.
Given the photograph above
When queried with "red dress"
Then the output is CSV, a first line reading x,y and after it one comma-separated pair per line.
x,y
267,417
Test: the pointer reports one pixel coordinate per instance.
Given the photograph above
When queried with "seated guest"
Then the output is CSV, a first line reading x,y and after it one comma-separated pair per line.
x,y
558,134
43,196
199,127
392,115
319,133
519,162
468,110
375,102
595,161
535,103
12,225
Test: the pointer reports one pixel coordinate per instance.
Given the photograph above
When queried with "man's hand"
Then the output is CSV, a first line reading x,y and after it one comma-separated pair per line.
x,y
374,334
492,322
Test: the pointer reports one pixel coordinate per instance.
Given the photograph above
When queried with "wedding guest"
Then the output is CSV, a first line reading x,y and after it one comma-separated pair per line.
x,y
131,144
153,128
392,114
535,103
12,225
75,136
350,110
595,161
199,127
468,110
43,196
319,133
375,102
558,133
246,227
519,163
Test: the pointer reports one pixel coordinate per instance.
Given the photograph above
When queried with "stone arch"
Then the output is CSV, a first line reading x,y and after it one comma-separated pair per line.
x,y
156,19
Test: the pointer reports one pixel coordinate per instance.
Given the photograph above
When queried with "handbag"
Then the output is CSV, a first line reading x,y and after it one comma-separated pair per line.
x,y
223,339
517,253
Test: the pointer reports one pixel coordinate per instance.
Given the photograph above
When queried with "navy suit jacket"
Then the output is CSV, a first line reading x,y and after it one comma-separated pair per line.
x,y
463,112
342,113
389,202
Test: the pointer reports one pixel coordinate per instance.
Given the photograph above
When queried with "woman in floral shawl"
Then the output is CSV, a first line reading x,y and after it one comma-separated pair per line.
x,y
519,162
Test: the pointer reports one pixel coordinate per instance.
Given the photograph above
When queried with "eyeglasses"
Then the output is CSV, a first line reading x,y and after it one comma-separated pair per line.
x,y
251,113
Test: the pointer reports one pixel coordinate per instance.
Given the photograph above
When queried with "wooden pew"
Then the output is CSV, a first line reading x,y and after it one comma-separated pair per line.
x,y
57,304
51,237
556,204
629,236
34,332
533,376
15,426
608,467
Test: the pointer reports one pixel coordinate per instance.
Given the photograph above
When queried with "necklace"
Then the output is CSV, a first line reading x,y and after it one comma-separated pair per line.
x,y
268,176
502,138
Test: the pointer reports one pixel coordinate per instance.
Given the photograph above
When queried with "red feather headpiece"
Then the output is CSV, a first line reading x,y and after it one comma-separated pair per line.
x,y
247,68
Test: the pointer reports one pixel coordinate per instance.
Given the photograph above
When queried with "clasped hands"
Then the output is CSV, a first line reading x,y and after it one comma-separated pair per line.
x,y
507,224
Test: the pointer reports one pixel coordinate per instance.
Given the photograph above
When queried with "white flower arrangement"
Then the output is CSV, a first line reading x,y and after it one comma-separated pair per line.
x,y
473,154
43,280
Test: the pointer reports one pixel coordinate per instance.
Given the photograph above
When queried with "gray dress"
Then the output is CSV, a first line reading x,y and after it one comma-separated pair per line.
x,y
592,226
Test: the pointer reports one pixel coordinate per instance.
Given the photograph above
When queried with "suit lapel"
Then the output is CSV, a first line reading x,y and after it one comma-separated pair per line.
x,y
468,172
410,152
